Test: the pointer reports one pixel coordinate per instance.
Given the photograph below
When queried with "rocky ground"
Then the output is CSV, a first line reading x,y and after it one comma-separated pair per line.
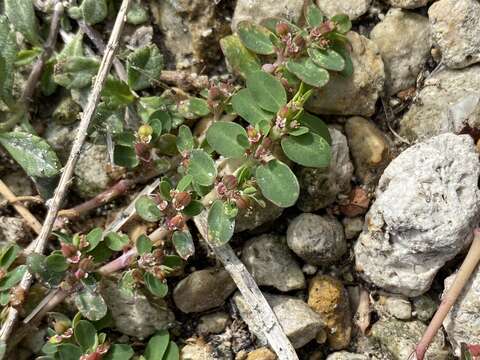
x,y
386,225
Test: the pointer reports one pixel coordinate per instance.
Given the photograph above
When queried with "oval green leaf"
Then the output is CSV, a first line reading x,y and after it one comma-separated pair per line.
x,y
255,37
68,352
144,244
244,105
306,70
202,167
185,140
157,346
316,125
220,225
86,335
278,183
156,286
309,150
147,209
183,242
125,156
13,277
328,59
228,139
116,241
342,22
348,69
267,91
313,15
173,352
94,237
56,263
90,304
119,352
238,57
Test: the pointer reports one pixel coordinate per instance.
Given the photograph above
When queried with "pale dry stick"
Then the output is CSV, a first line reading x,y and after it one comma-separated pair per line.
x,y
55,203
362,316
461,279
30,220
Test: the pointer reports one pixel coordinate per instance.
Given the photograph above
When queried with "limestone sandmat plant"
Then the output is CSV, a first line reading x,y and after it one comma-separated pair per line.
x,y
256,134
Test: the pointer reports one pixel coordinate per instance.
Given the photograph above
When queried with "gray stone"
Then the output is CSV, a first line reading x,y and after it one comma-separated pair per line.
x,y
12,230
352,226
256,215
356,94
257,10
353,8
135,315
203,290
403,39
318,240
407,4
427,203
424,307
369,147
456,30
344,355
462,323
320,187
60,138
447,103
399,338
91,176
213,323
300,323
271,263
398,307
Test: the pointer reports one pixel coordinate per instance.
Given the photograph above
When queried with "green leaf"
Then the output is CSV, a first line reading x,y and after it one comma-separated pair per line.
x,y
348,69
193,108
13,277
8,52
68,352
125,156
157,346
220,225
116,241
184,183
193,209
315,125
328,59
119,352
147,209
86,335
73,48
228,139
173,353
245,105
306,70
32,153
185,142
309,149
27,56
165,187
255,37
93,238
299,131
156,286
267,91
144,66
278,183
240,59
313,15
202,167
137,14
183,242
144,244
94,11
117,93
75,72
56,263
22,15
90,304
343,23
8,256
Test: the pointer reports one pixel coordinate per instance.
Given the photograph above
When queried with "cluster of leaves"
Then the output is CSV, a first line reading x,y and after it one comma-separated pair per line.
x,y
80,339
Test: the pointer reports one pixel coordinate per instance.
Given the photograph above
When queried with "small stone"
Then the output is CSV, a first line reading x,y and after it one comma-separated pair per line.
x,y
271,263
203,290
300,323
135,315
398,307
407,4
309,269
318,240
141,37
262,354
356,204
353,8
197,351
213,323
369,147
403,39
424,307
256,215
60,138
456,30
12,230
401,337
352,226
358,93
257,10
320,187
426,206
462,323
18,183
344,355
328,298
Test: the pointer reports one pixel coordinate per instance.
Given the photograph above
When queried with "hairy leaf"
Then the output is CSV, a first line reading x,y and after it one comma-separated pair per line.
x,y
244,105
313,15
228,139
90,304
306,70
328,59
12,278
183,242
240,59
193,108
144,66
86,335
116,93
343,23
348,69
144,244
278,183
185,142
8,50
156,286
116,241
22,15
220,225
75,72
94,11
255,37
267,91
202,167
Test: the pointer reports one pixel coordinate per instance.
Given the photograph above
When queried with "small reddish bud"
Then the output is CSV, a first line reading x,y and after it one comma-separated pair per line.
x,y
242,202
230,182
3,272
214,93
176,222
68,250
283,112
221,189
299,41
253,135
91,356
181,199
282,28
85,264
80,274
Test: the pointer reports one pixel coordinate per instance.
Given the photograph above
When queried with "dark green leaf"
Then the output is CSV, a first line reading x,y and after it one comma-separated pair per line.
x,y
193,209
245,105
173,261
27,56
313,15
185,142
183,242
75,72
147,209
173,352
32,153
184,183
144,244
4,297
240,59
315,125
278,183
22,15
73,48
202,167
8,256
86,335
255,37
116,241
8,52
13,277
37,265
94,11
68,352
267,91
144,66
306,70
125,156
157,346
343,23
220,225
119,352
165,188
309,149
156,286
299,131
93,238
328,59
137,14
348,69
193,108
116,93
56,263
90,304
228,139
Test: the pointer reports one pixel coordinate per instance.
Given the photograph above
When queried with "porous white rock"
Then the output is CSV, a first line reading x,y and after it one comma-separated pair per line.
x,y
352,8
